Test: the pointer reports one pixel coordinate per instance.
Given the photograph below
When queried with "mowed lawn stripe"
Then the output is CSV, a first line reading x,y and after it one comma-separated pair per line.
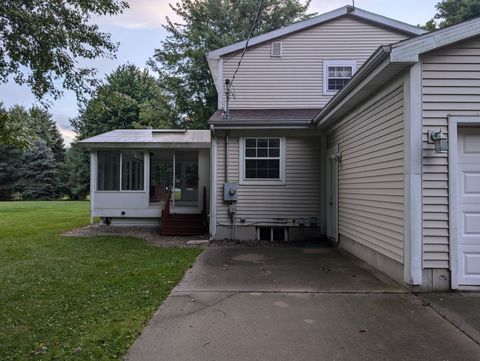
x,y
76,298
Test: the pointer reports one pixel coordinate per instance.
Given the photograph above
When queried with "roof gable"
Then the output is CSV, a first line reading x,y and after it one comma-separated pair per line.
x,y
390,60
305,24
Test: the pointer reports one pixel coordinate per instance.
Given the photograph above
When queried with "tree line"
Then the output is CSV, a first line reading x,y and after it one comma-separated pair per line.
x,y
34,163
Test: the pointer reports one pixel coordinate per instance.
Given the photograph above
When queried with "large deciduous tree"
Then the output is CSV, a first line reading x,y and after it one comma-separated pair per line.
x,y
42,42
207,25
130,98
451,12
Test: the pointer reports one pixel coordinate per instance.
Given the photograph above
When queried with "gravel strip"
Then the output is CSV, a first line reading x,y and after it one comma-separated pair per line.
x,y
152,235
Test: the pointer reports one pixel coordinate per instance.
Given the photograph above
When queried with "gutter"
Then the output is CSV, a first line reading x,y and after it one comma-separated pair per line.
x,y
378,57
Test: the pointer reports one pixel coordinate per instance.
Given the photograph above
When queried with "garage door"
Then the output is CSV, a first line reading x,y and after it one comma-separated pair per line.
x,y
469,206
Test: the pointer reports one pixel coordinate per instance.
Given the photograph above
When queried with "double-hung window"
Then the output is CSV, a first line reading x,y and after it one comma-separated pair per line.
x,y
120,170
337,73
262,160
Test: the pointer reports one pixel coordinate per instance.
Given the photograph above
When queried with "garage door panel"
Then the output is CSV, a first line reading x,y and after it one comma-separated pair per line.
x,y
469,146
469,183
468,206
470,225
470,265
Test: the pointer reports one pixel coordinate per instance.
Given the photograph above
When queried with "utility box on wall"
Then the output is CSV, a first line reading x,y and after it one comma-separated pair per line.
x,y
230,191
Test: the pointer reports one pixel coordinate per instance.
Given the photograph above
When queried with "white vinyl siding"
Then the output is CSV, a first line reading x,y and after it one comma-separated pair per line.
x,y
371,173
298,197
296,79
451,85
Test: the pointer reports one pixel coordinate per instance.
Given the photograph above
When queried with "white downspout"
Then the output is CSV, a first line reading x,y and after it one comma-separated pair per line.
x,y
213,184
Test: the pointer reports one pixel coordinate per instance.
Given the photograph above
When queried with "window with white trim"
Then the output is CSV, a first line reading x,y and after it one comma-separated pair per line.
x,y
262,159
337,73
120,170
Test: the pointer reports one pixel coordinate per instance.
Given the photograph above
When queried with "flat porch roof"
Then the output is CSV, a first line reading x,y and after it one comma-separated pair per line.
x,y
150,139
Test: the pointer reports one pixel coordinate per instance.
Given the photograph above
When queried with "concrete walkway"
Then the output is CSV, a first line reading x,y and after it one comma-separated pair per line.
x,y
295,304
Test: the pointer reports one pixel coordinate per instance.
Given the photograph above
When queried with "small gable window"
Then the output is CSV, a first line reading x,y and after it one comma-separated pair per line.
x,y
337,73
276,49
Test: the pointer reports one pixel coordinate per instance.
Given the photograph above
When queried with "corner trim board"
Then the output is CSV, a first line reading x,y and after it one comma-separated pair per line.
x,y
413,225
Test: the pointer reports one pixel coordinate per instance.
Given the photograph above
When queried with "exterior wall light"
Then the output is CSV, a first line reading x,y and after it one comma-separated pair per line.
x,y
336,157
440,140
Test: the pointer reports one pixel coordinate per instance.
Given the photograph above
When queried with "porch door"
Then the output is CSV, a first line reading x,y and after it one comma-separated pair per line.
x,y
468,206
186,179
332,196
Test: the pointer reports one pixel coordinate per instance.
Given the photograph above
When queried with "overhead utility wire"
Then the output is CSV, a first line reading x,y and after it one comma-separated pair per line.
x,y
229,82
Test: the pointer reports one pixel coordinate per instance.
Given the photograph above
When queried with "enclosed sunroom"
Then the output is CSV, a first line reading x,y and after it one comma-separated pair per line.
x,y
140,176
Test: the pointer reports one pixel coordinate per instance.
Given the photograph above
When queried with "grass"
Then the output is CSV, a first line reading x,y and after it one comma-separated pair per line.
x,y
74,298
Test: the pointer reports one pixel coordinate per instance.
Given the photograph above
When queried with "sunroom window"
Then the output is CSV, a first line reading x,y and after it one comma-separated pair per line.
x,y
108,170
120,170
132,171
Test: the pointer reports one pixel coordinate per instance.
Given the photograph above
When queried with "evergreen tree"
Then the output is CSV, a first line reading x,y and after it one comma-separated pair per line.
x,y
37,173
207,25
9,164
75,172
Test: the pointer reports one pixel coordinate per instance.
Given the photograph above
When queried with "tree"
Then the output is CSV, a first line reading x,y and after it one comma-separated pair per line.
x,y
34,124
10,161
209,25
74,173
42,42
14,132
37,173
37,123
44,127
130,98
451,12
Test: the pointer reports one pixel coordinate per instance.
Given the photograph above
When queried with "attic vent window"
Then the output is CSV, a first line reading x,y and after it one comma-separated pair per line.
x,y
276,50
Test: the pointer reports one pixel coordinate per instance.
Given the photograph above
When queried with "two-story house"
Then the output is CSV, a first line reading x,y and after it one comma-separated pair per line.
x,y
334,127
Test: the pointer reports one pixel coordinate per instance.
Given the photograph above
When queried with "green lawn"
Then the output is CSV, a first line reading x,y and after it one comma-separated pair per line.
x,y
65,298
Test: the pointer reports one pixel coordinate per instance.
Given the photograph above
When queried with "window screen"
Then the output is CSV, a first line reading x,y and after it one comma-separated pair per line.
x,y
132,171
262,158
108,170
338,77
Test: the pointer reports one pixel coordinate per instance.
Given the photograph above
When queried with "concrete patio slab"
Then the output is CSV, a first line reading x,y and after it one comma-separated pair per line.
x,y
295,304
461,309
299,326
286,269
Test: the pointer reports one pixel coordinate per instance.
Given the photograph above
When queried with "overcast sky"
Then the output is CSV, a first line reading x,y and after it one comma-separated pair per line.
x,y
139,31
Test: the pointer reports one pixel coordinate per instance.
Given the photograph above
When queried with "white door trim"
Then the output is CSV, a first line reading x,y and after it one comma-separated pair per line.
x,y
453,123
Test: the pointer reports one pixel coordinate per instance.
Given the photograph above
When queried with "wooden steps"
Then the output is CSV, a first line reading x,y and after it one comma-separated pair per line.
x,y
182,225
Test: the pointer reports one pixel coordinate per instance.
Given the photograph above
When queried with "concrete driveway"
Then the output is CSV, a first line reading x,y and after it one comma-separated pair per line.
x,y
295,304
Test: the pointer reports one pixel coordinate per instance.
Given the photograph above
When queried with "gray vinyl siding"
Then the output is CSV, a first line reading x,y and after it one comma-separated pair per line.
x,y
371,173
261,204
451,85
296,79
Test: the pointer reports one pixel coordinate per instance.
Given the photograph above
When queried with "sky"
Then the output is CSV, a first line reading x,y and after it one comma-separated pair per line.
x,y
139,31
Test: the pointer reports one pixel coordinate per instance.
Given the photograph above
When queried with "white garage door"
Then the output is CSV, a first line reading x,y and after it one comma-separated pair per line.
x,y
469,206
